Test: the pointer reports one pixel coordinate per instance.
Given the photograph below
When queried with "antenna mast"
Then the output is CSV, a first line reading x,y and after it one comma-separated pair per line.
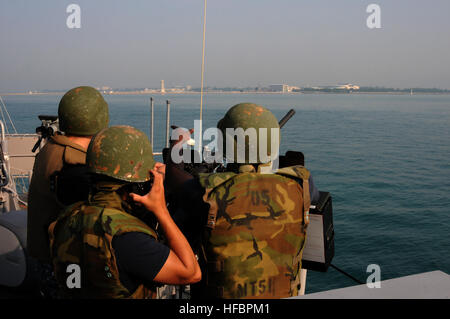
x,y
199,142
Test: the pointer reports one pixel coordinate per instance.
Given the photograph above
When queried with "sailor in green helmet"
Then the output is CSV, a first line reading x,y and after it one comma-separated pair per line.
x,y
253,224
82,112
119,255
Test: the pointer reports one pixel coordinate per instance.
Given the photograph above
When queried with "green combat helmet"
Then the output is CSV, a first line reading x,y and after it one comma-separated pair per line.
x,y
82,111
121,152
249,115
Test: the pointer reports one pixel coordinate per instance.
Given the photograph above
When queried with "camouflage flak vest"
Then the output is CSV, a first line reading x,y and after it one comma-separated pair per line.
x,y
83,235
257,230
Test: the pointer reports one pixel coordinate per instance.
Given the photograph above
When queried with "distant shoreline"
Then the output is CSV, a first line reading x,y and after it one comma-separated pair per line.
x,y
230,92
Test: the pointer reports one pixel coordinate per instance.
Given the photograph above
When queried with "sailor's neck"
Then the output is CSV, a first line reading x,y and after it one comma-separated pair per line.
x,y
80,140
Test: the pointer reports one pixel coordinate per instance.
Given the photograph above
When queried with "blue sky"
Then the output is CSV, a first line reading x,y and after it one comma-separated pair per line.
x,y
137,43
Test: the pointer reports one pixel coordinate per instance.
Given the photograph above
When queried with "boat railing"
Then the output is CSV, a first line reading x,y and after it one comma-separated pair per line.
x,y
16,161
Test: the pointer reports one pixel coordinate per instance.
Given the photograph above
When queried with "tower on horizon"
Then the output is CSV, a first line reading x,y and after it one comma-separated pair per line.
x,y
163,90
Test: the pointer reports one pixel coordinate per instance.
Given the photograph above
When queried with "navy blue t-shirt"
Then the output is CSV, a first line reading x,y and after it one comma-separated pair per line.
x,y
139,258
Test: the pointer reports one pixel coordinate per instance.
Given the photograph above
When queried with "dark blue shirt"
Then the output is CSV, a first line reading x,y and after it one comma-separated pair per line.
x,y
139,258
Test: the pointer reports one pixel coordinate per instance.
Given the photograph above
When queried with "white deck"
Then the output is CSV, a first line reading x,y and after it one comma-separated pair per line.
x,y
21,158
430,285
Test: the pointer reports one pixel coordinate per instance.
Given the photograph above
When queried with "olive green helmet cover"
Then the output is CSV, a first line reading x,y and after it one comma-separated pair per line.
x,y
249,115
83,111
121,152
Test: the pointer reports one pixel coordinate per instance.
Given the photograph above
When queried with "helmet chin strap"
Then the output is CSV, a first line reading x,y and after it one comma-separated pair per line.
x,y
107,186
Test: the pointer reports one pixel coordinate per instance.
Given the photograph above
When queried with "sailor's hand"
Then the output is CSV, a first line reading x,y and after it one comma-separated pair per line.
x,y
160,168
154,200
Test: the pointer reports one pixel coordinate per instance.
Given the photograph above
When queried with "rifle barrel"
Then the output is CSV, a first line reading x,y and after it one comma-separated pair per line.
x,y
286,118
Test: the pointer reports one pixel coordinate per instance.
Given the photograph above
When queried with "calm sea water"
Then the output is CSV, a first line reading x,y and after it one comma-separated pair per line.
x,y
384,158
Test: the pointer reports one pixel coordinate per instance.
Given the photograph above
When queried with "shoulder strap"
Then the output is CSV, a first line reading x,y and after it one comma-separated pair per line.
x,y
73,153
66,213
74,156
115,222
299,172
212,180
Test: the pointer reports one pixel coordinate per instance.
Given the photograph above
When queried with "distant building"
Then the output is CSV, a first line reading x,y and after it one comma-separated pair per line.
x,y
294,89
278,88
348,87
163,90
105,89
344,87
285,88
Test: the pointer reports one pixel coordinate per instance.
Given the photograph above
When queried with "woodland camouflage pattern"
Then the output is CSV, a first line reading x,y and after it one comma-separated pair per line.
x,y
83,111
83,235
258,230
121,152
